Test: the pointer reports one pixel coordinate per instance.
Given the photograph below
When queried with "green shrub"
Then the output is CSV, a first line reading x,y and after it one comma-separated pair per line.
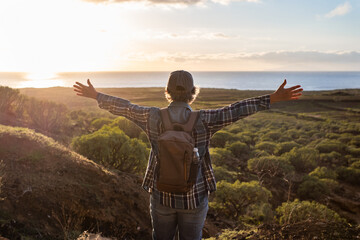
x,y
304,159
345,138
349,174
271,165
327,146
331,158
292,133
331,184
323,172
269,147
312,188
244,137
332,135
355,141
298,211
271,136
241,199
111,147
127,126
221,173
239,149
355,164
355,152
220,138
220,156
100,122
285,147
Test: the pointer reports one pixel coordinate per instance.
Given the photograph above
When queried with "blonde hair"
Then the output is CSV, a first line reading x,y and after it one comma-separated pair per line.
x,y
181,95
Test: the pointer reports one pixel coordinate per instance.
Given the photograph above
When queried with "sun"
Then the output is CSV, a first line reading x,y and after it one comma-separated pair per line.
x,y
41,80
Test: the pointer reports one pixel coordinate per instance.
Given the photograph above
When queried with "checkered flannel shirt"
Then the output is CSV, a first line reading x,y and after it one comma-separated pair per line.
x,y
210,121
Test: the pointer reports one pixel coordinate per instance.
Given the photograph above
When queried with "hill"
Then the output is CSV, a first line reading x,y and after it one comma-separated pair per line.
x,y
50,192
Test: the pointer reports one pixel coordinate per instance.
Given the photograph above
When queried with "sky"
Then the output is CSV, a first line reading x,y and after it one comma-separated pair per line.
x,y
42,37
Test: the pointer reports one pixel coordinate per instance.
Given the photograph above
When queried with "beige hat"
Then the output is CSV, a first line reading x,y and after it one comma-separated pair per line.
x,y
181,79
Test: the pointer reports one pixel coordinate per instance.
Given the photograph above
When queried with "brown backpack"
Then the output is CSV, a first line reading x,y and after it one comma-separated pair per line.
x,y
176,170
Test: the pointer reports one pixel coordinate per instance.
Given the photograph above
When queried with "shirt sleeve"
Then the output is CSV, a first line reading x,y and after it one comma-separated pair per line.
x,y
122,107
219,118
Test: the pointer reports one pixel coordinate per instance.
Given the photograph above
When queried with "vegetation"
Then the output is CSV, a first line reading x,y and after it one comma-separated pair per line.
x,y
298,211
242,200
111,147
263,164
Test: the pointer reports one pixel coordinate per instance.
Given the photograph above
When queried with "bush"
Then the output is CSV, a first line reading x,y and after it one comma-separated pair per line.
x,y
355,152
271,136
349,174
220,156
312,188
285,147
355,164
331,158
220,138
221,173
303,159
298,211
269,147
100,122
245,137
355,141
239,149
345,138
129,128
327,146
323,172
111,147
234,200
270,165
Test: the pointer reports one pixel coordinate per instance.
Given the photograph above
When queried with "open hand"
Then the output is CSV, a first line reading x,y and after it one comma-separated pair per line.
x,y
85,91
285,94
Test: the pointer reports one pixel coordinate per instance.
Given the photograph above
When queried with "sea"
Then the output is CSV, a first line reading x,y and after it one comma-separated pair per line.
x,y
310,81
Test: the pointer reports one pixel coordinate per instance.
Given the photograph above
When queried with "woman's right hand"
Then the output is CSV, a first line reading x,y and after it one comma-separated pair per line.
x,y
85,91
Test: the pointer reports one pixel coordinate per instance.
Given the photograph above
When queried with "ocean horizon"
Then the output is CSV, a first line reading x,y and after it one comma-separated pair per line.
x,y
310,81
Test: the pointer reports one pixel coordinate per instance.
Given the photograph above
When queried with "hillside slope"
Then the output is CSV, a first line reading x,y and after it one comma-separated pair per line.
x,y
50,192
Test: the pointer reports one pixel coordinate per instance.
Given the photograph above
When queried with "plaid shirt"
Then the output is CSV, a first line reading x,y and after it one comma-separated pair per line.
x,y
210,121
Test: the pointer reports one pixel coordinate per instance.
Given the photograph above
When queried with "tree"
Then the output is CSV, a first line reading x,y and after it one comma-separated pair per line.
x,y
111,147
238,198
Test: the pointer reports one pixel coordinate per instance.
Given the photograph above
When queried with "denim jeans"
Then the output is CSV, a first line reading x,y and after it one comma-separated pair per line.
x,y
166,220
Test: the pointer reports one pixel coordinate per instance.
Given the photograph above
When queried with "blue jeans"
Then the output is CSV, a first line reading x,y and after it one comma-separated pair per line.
x,y
165,221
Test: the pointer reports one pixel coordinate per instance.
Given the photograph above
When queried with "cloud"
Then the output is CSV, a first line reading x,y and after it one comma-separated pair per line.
x,y
285,60
172,2
226,2
339,10
192,35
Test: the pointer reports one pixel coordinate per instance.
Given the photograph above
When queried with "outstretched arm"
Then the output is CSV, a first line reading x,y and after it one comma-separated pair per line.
x,y
118,106
85,91
285,94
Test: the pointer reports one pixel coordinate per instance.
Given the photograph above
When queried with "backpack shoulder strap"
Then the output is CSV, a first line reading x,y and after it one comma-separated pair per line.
x,y
165,117
188,127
